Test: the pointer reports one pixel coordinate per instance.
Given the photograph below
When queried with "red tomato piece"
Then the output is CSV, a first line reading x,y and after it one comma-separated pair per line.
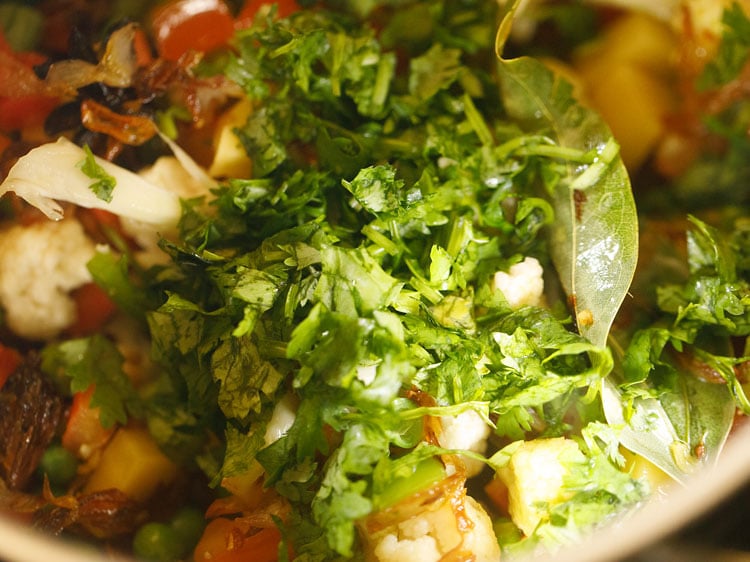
x,y
180,26
245,17
93,309
24,101
9,361
25,111
5,142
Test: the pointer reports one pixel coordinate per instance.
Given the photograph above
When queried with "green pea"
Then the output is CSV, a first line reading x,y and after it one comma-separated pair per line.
x,y
59,464
188,523
157,542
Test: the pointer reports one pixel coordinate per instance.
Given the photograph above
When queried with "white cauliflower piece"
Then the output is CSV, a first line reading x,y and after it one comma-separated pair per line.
x,y
430,535
523,284
534,476
466,431
39,265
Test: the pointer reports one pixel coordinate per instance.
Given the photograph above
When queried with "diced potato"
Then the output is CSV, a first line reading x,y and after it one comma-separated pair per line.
x,y
626,77
634,104
635,39
133,463
641,468
534,477
230,158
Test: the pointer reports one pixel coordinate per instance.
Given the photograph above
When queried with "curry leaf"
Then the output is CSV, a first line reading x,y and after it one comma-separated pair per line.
x,y
702,412
595,235
594,240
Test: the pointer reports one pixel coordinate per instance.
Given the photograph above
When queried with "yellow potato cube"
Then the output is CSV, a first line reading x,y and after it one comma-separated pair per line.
x,y
635,39
627,78
534,477
634,104
230,158
133,463
641,468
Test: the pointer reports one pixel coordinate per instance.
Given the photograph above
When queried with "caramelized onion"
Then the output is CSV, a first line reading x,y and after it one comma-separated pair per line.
x,y
133,130
115,68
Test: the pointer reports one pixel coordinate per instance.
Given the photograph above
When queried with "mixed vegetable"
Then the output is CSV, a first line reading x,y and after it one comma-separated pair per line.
x,y
366,279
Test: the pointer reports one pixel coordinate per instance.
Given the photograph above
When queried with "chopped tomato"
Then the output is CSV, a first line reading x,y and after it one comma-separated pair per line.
x,y
84,431
180,26
9,361
99,218
245,17
25,111
224,540
24,101
5,142
93,309
143,54
102,226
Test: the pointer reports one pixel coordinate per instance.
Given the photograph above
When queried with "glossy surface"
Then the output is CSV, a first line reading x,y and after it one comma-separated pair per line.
x,y
649,534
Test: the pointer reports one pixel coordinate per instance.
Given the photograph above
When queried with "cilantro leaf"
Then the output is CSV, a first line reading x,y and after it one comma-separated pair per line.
x,y
244,377
104,183
95,361
733,52
594,239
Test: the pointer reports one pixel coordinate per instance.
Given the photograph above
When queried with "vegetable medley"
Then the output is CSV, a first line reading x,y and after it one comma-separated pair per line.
x,y
367,279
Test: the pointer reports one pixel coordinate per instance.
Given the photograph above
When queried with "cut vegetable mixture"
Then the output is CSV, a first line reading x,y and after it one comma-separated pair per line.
x,y
355,280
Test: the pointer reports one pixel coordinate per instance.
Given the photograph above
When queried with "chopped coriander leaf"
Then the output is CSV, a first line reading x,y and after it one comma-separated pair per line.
x,y
322,330
104,184
95,361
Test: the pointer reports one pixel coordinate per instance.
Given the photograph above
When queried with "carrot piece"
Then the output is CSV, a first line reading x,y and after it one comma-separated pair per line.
x,y
497,492
224,540
84,431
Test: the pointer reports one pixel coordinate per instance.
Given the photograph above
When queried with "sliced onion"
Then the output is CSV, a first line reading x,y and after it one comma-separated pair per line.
x,y
52,173
116,67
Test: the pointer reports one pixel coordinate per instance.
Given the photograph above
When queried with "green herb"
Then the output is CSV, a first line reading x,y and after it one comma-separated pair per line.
x,y
104,184
733,52
95,361
354,273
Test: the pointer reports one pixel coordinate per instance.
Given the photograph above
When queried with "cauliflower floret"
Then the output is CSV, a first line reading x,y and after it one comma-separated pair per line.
x,y
534,476
39,265
523,284
466,431
436,531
